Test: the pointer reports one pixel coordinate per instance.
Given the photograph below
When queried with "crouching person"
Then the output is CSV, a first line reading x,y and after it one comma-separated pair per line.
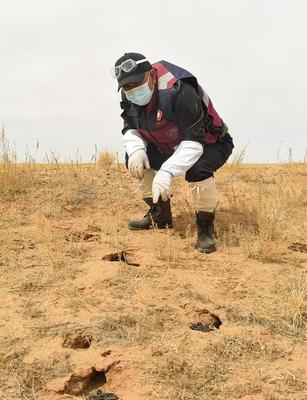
x,y
170,129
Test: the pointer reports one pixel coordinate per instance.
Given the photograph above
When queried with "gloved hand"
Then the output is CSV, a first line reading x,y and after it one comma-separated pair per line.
x,y
136,163
161,186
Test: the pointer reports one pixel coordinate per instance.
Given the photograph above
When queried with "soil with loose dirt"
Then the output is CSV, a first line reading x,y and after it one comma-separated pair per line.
x,y
88,305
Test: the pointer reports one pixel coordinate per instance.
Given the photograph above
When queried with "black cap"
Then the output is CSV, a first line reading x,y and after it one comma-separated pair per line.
x,y
136,75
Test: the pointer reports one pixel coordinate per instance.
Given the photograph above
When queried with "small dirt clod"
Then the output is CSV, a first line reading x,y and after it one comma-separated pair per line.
x,y
106,353
300,247
120,256
201,327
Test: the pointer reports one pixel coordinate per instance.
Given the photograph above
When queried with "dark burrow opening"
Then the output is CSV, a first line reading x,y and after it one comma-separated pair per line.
x,y
214,322
98,379
94,390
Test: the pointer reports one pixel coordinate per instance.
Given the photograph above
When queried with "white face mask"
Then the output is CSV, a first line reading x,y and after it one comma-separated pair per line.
x,y
140,95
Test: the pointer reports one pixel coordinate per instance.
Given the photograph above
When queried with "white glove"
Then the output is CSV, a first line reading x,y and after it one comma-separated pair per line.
x,y
136,163
161,186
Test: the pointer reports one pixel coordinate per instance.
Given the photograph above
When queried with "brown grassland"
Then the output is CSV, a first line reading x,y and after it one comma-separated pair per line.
x,y
72,322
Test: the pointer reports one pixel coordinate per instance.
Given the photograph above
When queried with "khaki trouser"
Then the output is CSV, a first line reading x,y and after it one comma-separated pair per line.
x,y
203,192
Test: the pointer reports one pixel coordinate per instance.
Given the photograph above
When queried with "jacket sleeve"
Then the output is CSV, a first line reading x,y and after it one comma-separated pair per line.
x,y
188,112
127,123
132,139
184,157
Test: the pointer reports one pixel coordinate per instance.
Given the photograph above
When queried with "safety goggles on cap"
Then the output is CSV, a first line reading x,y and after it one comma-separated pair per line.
x,y
127,66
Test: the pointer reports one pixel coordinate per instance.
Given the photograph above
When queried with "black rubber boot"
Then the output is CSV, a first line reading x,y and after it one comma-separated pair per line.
x,y
205,232
159,216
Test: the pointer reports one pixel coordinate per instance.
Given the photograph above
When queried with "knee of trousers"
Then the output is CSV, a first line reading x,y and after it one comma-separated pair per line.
x,y
204,195
146,183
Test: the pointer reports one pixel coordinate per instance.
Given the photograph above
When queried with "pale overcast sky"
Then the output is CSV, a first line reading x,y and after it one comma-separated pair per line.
x,y
56,55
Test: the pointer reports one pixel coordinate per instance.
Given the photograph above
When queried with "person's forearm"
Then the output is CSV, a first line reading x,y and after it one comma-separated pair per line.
x,y
185,156
133,141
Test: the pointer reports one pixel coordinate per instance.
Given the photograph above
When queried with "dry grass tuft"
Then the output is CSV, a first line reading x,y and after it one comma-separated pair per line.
x,y
72,188
164,249
15,179
290,379
184,221
235,163
285,310
26,379
180,376
209,375
133,329
261,217
106,160
240,349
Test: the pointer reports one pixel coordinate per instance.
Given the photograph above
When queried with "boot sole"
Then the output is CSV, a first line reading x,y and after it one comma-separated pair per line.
x,y
206,251
132,228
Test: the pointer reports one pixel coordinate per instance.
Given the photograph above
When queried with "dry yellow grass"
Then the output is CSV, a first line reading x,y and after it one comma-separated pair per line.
x,y
265,210
207,375
15,178
59,220
106,160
